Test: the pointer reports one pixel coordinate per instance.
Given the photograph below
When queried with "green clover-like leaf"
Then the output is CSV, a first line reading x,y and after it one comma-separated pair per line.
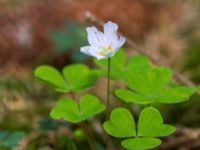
x,y
69,110
51,76
119,64
149,82
151,124
150,85
139,63
75,78
175,94
79,77
121,124
140,143
130,96
168,95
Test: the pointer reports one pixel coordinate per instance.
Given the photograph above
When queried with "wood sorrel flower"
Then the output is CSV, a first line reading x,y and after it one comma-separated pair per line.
x,y
103,45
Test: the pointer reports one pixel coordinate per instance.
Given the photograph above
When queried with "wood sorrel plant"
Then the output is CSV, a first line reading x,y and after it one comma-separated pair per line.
x,y
145,84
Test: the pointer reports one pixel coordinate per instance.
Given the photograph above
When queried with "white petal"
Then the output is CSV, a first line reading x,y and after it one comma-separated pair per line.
x,y
92,51
85,50
103,45
110,27
95,37
119,43
110,54
110,32
99,57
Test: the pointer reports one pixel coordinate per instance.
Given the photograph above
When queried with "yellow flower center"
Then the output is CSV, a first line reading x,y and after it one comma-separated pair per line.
x,y
105,50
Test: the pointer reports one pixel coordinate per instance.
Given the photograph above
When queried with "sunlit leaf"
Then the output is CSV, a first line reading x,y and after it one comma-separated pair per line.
x,y
140,143
150,85
51,76
151,124
139,63
69,110
75,78
130,96
121,124
148,82
175,94
79,77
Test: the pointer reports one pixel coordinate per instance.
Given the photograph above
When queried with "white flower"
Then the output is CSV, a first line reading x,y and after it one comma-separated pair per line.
x,y
103,45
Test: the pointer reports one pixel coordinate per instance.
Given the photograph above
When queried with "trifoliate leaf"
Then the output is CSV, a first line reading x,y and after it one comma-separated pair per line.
x,y
175,94
51,76
130,96
140,143
66,109
171,95
151,85
69,110
139,63
151,124
148,82
79,77
121,124
136,63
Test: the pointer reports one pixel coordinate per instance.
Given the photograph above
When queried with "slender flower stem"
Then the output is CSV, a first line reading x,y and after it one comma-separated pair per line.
x,y
89,139
108,90
72,95
90,142
107,139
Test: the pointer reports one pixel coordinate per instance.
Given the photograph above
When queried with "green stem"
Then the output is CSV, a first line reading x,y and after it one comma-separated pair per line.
x,y
72,95
90,141
108,90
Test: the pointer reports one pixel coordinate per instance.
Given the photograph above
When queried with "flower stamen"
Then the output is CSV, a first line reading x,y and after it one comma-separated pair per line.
x,y
105,50
110,48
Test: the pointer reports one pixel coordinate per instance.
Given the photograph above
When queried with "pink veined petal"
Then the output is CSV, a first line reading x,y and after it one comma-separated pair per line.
x,y
95,37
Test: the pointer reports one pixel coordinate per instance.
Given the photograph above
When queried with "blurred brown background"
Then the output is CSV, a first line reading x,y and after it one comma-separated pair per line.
x,y
25,25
